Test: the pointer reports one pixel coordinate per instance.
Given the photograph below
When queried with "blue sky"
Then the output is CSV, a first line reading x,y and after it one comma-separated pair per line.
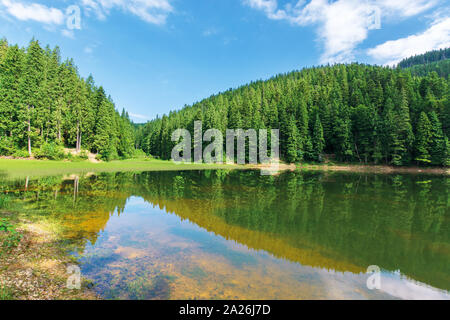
x,y
153,56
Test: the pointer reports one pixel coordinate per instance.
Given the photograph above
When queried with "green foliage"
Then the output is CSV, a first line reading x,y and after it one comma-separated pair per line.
x,y
318,140
426,58
442,69
109,154
20,154
139,154
7,147
9,236
51,151
4,202
6,294
83,155
438,143
423,139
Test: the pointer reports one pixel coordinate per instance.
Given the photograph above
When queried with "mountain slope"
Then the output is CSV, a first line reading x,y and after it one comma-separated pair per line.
x,y
434,61
426,58
359,113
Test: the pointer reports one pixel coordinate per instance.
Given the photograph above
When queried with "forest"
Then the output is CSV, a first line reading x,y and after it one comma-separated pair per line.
x,y
442,68
347,112
46,106
426,58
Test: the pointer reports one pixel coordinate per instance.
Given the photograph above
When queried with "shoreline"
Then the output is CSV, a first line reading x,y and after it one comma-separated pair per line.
x,y
19,168
36,269
384,169
357,168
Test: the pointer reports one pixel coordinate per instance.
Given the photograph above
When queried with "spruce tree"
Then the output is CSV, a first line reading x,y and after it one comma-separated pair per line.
x,y
437,141
31,93
423,140
318,139
293,152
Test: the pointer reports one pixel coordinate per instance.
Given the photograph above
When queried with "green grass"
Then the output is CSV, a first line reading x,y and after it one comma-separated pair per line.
x,y
38,168
9,236
6,293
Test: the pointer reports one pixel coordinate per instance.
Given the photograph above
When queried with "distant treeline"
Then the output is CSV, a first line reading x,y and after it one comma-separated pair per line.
x,y
45,105
359,113
429,57
442,68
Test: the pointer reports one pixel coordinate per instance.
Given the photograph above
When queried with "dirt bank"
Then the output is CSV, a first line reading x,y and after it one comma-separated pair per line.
x,y
358,168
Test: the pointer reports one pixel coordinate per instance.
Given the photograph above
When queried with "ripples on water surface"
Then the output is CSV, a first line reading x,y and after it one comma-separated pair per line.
x,y
240,235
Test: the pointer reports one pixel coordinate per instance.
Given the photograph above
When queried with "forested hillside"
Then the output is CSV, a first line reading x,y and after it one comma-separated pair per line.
x,y
45,105
434,61
442,68
359,113
428,57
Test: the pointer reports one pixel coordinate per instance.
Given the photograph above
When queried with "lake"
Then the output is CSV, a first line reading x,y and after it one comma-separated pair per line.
x,y
224,234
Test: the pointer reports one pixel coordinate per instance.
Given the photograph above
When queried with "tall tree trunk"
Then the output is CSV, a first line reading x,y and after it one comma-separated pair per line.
x,y
29,133
78,147
47,133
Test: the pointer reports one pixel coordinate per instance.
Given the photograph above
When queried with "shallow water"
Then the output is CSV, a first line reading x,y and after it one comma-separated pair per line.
x,y
239,235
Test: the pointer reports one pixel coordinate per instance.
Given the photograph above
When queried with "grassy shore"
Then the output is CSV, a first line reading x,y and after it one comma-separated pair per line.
x,y
14,168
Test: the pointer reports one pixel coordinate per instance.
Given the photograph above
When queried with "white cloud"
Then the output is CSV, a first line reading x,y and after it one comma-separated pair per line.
x,y
343,24
33,11
406,8
151,11
92,5
435,37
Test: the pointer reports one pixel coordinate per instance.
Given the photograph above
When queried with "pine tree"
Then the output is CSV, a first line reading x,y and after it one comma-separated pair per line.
x,y
292,146
437,141
304,138
446,157
405,136
423,140
11,77
318,140
31,92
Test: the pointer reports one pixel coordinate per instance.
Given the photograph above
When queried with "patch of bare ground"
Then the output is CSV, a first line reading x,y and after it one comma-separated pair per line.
x,y
37,268
16,158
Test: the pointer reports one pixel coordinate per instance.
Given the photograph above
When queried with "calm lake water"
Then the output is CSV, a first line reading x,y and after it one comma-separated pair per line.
x,y
239,235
